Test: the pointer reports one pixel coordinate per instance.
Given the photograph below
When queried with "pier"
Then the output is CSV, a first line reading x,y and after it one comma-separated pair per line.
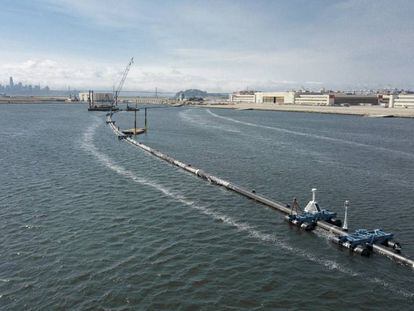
x,y
332,229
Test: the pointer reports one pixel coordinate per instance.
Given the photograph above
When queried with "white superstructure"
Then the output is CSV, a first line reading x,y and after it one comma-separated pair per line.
x,y
312,206
97,97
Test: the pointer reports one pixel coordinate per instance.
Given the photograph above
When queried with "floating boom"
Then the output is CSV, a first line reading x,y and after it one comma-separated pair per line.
x,y
320,222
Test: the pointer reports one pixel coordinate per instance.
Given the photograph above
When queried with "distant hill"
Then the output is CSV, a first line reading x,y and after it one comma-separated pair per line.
x,y
195,93
192,93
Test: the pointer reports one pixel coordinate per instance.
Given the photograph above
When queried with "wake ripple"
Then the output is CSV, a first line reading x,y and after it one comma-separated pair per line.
x,y
331,139
200,121
88,145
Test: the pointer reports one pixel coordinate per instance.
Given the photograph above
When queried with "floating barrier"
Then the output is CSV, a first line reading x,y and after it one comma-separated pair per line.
x,y
362,241
322,218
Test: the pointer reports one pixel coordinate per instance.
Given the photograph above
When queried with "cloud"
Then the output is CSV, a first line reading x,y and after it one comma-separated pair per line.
x,y
223,45
83,75
101,12
56,73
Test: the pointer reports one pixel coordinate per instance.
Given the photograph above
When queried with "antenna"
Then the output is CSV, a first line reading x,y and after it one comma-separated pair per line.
x,y
312,206
345,226
314,194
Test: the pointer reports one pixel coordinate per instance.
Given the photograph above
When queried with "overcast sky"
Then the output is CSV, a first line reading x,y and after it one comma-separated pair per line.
x,y
213,45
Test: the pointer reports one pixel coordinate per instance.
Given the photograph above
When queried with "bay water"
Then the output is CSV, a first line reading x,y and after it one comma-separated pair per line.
x,y
91,222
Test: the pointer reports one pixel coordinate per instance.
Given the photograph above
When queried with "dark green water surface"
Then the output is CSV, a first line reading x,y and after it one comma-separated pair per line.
x,y
90,222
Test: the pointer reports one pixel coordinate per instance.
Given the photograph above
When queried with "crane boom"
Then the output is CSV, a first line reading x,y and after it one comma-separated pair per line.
x,y
121,83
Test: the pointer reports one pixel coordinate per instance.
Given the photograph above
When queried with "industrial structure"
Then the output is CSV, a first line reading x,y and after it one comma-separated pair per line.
x,y
97,97
154,100
243,97
105,101
306,98
399,100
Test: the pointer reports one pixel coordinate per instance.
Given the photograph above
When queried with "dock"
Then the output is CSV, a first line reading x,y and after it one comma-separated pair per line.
x,y
102,108
283,208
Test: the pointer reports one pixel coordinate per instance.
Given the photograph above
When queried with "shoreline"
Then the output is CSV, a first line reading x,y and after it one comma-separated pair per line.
x,y
31,100
366,111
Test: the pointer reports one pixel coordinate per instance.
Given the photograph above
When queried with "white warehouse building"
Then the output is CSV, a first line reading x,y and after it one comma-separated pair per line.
x,y
242,98
315,100
283,98
400,101
275,97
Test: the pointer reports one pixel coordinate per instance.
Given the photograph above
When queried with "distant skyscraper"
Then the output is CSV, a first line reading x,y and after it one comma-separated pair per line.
x,y
11,82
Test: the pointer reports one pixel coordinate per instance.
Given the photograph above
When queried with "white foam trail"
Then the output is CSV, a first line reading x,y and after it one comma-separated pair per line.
x,y
200,121
87,145
336,140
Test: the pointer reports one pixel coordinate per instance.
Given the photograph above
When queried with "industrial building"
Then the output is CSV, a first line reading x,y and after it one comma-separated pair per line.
x,y
243,97
305,98
341,99
96,97
399,100
152,100
314,100
281,98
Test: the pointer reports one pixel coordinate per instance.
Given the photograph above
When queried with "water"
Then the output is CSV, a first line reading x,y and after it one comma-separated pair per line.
x,y
89,222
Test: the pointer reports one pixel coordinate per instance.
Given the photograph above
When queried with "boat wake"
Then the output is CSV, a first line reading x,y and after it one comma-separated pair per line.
x,y
88,146
331,139
198,121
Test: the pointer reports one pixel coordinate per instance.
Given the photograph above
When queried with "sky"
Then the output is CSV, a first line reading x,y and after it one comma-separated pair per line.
x,y
218,46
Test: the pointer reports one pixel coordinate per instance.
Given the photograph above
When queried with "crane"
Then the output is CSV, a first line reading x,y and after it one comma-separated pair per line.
x,y
121,83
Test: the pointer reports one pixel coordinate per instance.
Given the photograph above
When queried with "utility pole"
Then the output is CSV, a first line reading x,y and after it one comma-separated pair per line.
x,y
145,112
135,121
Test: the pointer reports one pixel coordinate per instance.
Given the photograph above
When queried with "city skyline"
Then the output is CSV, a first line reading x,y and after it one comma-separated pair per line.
x,y
23,89
218,46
